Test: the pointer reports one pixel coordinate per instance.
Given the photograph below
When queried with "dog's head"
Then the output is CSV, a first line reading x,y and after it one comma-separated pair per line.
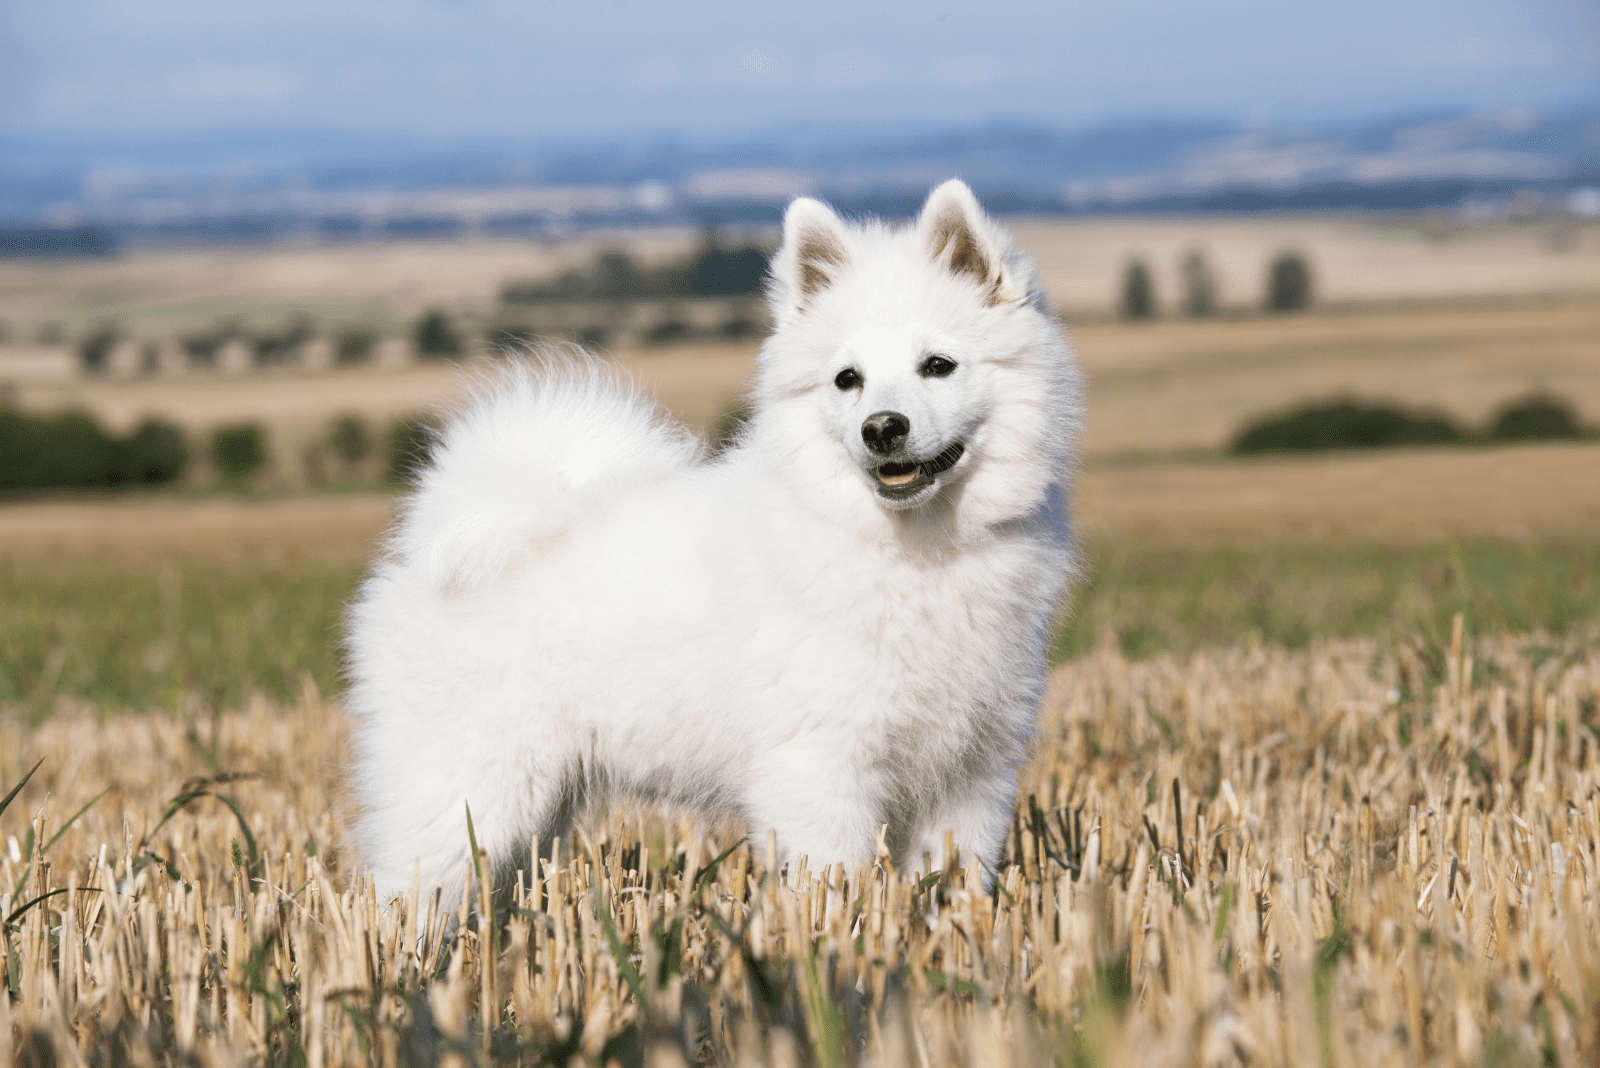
x,y
919,365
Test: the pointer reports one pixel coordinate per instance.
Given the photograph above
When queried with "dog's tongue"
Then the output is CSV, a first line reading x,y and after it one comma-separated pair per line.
x,y
897,474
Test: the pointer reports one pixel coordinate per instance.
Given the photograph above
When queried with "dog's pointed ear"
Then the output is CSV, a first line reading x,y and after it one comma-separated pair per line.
x,y
815,246
958,235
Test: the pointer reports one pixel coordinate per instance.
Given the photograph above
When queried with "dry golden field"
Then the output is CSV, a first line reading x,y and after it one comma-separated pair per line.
x,y
1273,846
1350,855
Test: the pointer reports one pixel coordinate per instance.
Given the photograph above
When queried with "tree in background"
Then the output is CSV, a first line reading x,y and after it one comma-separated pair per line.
x,y
203,349
154,453
354,346
1537,417
239,452
616,276
1199,285
1288,283
283,347
349,441
94,352
717,270
1138,291
437,337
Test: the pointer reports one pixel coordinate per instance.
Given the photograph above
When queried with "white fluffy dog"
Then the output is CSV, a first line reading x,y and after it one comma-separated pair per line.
x,y
841,623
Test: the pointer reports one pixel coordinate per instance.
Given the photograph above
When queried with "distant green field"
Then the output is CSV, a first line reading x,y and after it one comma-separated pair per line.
x,y
167,636
1161,598
210,635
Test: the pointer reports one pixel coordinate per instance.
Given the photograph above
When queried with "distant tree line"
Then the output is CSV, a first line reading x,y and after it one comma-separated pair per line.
x,y
434,335
1349,423
715,268
57,241
1288,286
71,450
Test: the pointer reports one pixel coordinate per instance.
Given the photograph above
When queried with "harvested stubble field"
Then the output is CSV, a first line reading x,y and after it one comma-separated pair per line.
x,y
1355,853
1280,811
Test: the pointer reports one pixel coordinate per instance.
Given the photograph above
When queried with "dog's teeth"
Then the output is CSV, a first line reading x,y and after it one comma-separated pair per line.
x,y
899,480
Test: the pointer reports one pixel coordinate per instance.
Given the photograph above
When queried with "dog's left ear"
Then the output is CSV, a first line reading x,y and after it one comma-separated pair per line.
x,y
958,235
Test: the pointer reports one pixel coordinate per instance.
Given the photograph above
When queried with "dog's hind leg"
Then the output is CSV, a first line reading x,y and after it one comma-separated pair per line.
x,y
417,832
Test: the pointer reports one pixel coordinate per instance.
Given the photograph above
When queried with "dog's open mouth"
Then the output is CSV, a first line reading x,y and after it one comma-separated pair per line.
x,y
900,480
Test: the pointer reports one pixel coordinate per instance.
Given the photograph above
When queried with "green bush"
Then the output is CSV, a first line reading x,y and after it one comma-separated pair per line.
x,y
70,450
354,346
1346,424
239,452
411,442
437,337
154,453
65,450
1537,417
1138,291
348,439
1288,283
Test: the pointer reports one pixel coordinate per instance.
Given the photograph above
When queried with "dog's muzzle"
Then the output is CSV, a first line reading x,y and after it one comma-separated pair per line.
x,y
900,480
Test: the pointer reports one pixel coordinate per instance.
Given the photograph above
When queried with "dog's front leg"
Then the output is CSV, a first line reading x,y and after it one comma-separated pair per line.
x,y
822,804
977,820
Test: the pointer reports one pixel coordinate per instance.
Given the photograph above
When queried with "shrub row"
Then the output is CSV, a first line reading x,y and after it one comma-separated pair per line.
x,y
70,449
435,335
1348,423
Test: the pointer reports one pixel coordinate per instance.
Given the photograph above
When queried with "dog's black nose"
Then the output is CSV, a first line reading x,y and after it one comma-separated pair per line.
x,y
884,431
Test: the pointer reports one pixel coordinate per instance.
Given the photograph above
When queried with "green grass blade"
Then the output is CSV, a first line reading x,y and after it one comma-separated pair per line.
x,y
17,789
57,836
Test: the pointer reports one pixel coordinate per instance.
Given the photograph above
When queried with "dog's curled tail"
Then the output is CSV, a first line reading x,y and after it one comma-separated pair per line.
x,y
540,443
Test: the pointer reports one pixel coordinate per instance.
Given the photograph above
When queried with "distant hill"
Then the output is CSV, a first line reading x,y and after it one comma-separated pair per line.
x,y
258,187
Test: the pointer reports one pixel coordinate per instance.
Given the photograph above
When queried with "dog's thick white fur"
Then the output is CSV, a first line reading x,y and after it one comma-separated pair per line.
x,y
807,632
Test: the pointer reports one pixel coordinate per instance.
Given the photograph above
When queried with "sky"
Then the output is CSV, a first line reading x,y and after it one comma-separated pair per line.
x,y
554,70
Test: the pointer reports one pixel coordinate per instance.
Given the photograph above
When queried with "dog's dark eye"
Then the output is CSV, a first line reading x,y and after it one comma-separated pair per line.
x,y
937,367
847,379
